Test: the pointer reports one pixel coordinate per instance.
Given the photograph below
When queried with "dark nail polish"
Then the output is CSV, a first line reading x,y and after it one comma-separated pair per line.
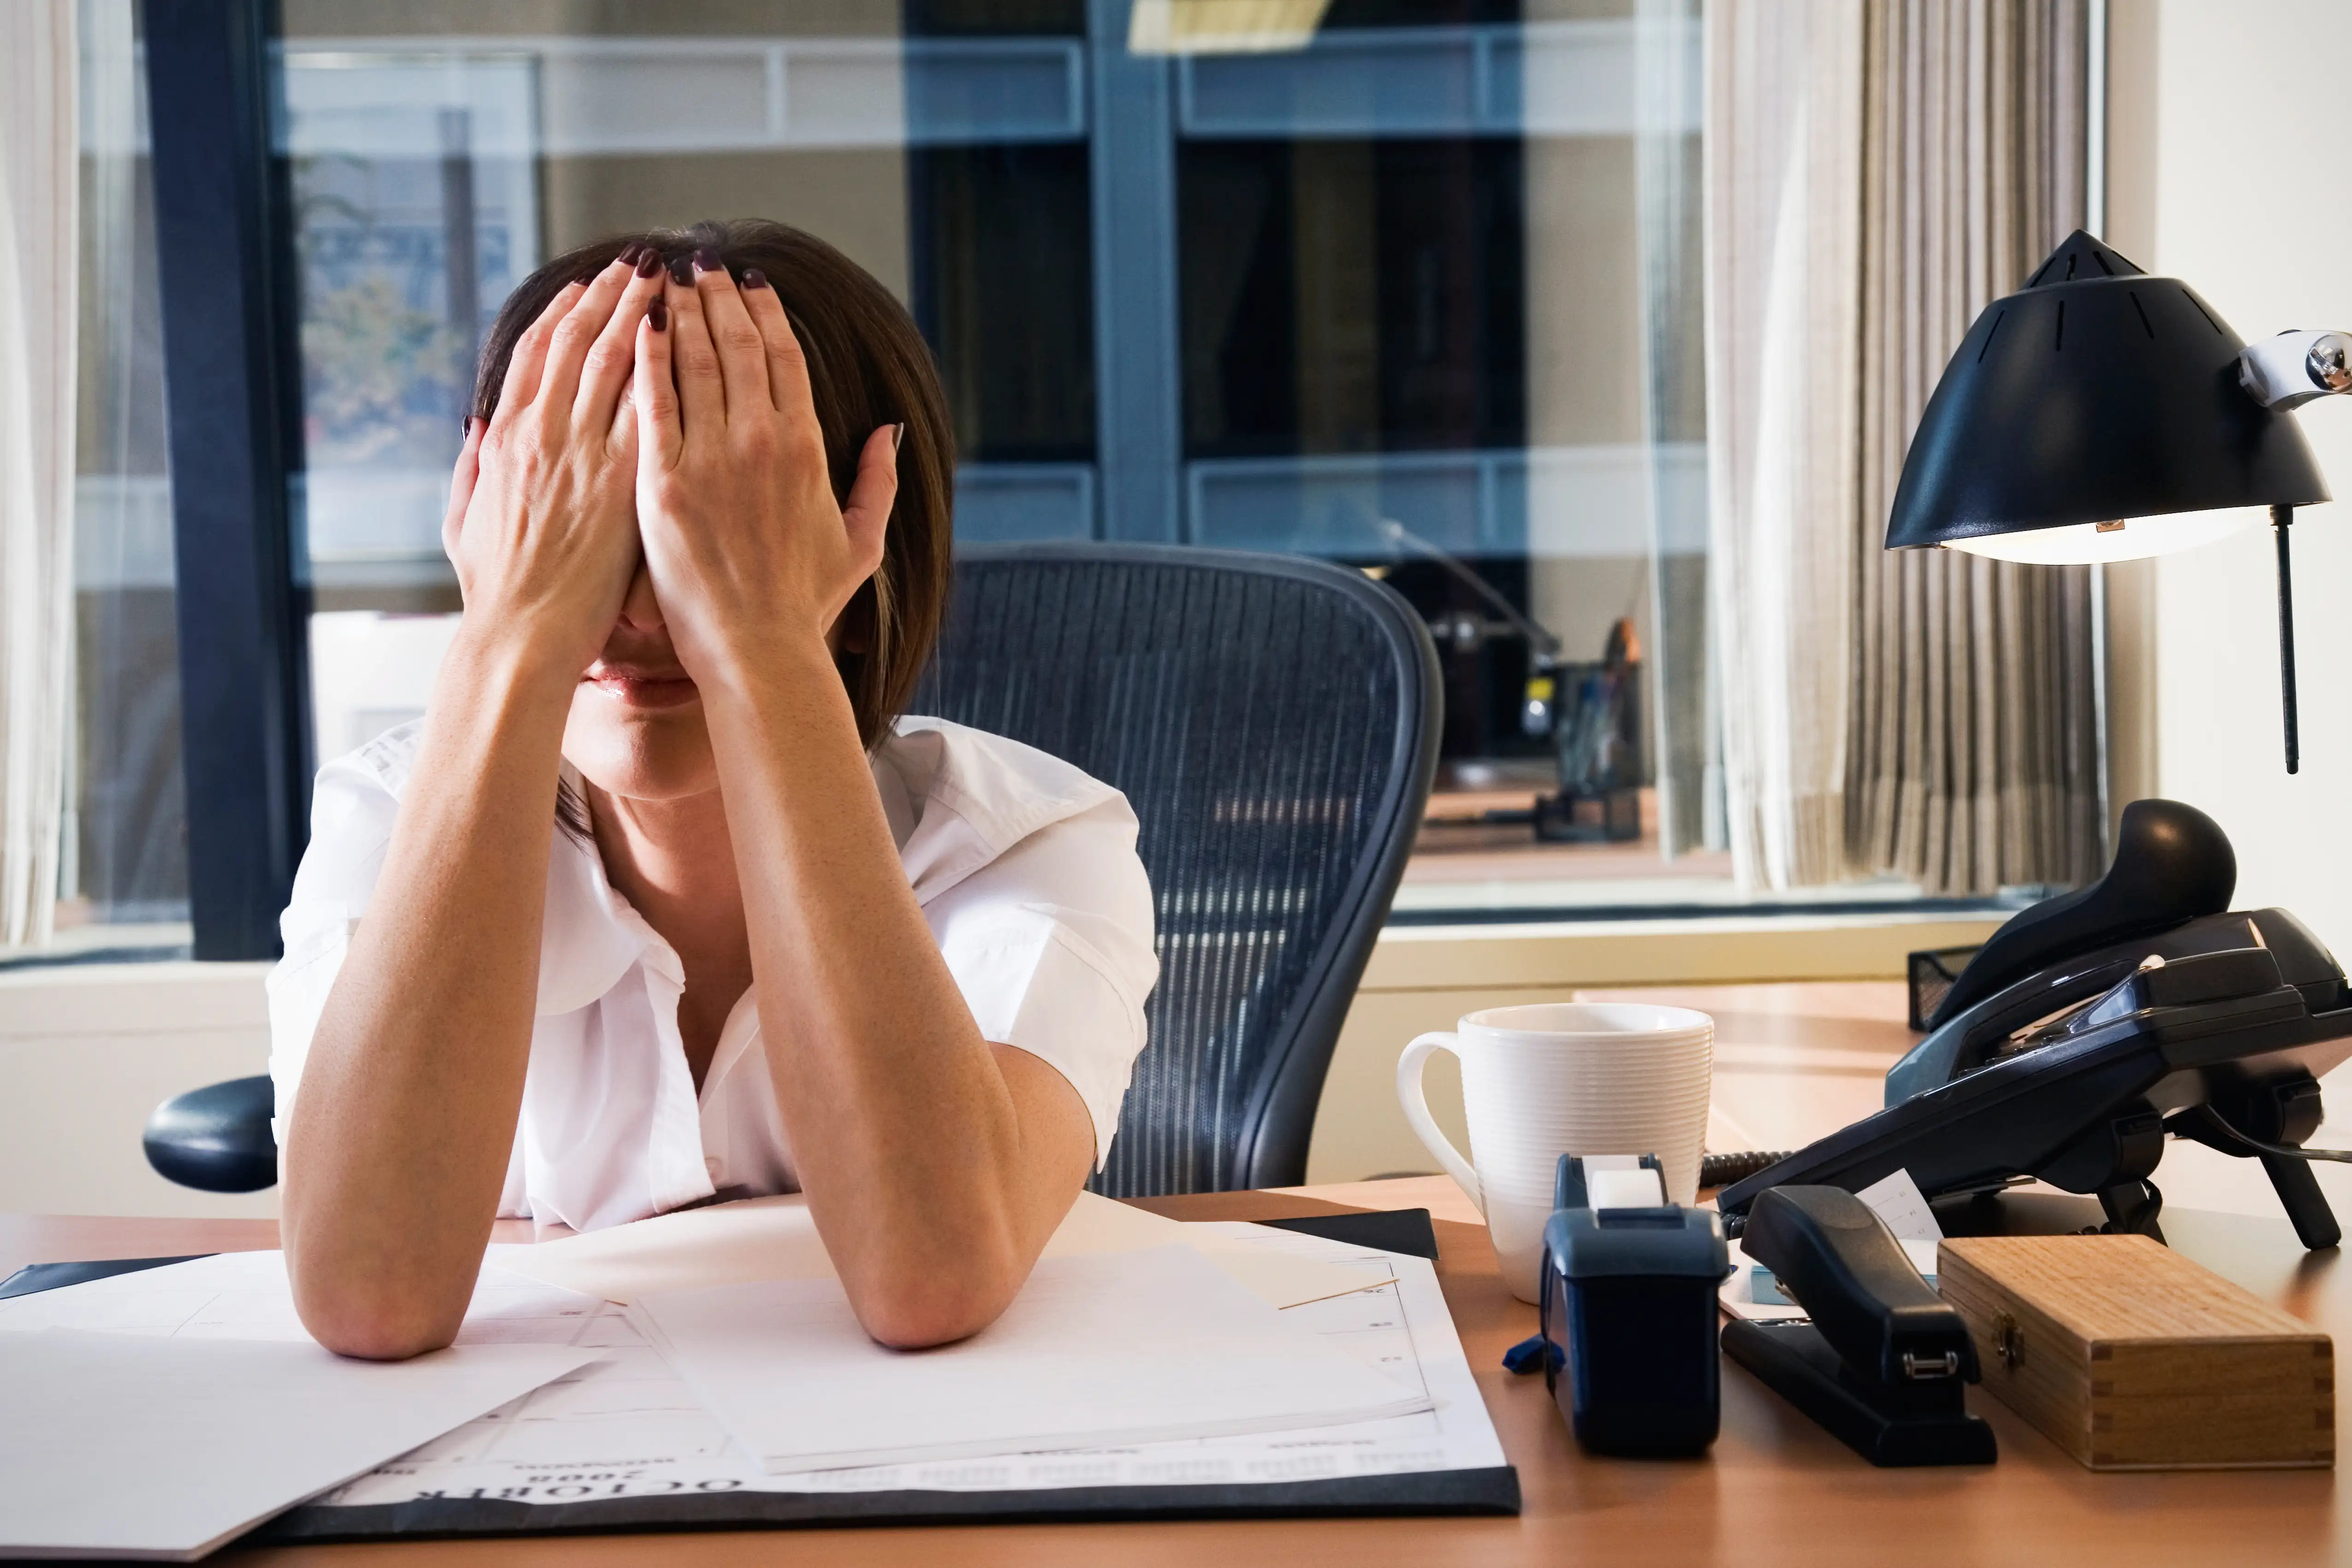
x,y
682,272
706,260
754,278
658,314
465,429
585,278
897,434
649,262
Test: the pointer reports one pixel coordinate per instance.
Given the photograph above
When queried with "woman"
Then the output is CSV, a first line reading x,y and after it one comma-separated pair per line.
x,y
657,904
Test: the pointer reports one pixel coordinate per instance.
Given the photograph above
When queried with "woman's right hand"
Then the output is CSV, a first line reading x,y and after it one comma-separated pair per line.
x,y
542,525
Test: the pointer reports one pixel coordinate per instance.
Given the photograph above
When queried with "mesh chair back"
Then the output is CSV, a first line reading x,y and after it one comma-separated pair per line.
x,y
1273,722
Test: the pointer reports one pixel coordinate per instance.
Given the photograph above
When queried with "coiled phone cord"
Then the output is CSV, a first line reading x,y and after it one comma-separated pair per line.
x,y
1722,1170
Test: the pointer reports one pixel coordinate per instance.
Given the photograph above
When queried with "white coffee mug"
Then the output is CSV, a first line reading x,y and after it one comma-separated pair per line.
x,y
1564,1078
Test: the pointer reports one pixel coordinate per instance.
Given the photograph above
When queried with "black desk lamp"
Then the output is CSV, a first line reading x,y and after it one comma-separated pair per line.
x,y
2099,413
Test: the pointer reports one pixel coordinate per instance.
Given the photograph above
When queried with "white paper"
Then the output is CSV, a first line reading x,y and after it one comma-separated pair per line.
x,y
245,1296
626,1427
1898,1201
623,1425
164,1446
1127,1347
775,1238
1638,1188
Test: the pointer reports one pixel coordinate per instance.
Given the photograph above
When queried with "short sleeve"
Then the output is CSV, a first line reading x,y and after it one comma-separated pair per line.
x,y
352,813
1051,945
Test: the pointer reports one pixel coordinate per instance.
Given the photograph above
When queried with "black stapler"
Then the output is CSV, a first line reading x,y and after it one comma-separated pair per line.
x,y
1880,1359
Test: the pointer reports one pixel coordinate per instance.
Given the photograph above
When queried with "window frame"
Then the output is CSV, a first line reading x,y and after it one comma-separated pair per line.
x,y
233,436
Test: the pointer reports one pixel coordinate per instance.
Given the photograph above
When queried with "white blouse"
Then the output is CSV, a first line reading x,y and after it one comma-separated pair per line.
x,y
1026,871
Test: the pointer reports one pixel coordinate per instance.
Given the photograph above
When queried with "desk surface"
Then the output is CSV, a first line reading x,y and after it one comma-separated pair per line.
x,y
1775,1489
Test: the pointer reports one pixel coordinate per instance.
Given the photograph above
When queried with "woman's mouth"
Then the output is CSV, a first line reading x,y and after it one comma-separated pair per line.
x,y
634,688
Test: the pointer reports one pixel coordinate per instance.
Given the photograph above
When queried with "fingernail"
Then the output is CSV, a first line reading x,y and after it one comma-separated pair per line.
x,y
706,260
628,257
754,278
658,314
465,429
897,434
682,272
648,262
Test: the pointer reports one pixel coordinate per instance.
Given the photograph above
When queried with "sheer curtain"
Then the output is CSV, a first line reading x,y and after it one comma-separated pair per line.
x,y
1879,171
39,243
1783,348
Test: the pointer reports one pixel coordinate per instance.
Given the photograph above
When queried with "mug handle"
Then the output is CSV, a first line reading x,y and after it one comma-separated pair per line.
x,y
1416,1109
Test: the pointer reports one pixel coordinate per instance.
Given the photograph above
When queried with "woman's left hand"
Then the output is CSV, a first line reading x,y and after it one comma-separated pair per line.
x,y
743,538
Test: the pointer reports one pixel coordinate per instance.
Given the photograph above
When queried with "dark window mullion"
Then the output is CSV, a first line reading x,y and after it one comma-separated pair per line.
x,y
231,389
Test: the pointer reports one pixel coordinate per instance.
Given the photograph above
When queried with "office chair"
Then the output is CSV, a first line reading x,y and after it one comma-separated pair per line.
x,y
1273,720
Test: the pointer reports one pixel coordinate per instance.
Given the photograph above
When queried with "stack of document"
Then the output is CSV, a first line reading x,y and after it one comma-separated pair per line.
x,y
1142,1354
128,1444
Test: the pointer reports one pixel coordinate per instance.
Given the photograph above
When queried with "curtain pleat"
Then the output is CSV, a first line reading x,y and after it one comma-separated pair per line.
x,y
1965,728
1977,757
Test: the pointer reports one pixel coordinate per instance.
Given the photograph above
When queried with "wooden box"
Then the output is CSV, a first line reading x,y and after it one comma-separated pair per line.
x,y
2130,1357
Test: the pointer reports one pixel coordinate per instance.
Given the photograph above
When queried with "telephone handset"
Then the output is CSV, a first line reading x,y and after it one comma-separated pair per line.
x,y
2173,863
2092,1024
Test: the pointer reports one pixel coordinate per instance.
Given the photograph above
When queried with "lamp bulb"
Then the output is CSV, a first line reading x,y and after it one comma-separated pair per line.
x,y
2130,539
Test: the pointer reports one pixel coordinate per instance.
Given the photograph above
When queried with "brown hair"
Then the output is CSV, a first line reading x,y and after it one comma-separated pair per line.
x,y
868,366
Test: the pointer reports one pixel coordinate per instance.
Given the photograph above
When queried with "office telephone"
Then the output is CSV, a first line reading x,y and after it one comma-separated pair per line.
x,y
2092,1026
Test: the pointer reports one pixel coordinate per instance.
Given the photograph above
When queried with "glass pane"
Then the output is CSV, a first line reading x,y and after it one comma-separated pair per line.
x,y
1411,285
125,861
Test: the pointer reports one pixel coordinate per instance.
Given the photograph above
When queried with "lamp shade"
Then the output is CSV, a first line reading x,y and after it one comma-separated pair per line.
x,y
2094,394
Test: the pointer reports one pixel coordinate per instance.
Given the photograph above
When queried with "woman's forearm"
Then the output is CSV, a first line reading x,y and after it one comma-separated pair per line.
x,y
932,1188
403,1127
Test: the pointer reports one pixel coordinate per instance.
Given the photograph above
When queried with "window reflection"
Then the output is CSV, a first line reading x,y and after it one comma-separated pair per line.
x,y
124,861
1407,284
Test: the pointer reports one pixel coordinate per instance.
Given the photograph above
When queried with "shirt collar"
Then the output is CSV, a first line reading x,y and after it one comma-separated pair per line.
x,y
975,796
589,935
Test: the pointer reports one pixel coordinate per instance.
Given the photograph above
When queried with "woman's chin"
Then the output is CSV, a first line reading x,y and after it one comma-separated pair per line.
x,y
641,754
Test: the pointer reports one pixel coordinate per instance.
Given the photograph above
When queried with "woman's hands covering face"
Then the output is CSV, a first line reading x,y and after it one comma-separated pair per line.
x,y
743,538
541,523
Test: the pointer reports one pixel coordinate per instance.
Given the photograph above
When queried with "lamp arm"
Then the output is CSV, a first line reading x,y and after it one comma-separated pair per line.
x,y
1540,638
2291,369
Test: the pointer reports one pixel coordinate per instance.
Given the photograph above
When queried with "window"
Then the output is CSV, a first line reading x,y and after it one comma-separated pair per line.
x,y
1411,285
124,875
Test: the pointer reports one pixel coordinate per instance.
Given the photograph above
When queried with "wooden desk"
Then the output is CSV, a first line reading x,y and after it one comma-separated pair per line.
x,y
1775,1489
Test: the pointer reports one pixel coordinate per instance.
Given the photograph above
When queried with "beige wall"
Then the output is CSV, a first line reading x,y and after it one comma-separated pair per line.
x,y
2229,163
87,1052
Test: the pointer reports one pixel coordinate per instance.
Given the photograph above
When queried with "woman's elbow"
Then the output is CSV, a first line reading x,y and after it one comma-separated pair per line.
x,y
913,1309
374,1325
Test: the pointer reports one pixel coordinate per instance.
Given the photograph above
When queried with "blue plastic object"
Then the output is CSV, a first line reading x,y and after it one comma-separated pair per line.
x,y
1628,1307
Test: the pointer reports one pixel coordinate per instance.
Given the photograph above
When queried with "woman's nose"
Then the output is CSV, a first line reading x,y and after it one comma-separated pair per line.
x,y
640,611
